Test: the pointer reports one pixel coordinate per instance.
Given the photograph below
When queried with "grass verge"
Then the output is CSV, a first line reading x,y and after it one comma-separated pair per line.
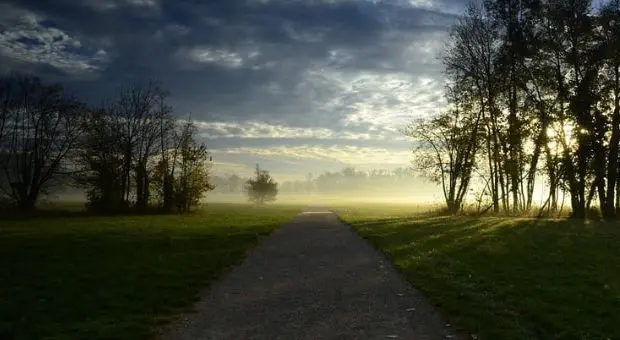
x,y
118,277
506,278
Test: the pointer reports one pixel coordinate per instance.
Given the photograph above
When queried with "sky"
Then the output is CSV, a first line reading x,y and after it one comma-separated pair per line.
x,y
298,86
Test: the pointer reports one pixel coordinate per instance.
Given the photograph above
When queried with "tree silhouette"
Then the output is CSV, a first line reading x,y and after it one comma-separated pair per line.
x,y
123,139
192,180
543,78
446,152
40,127
262,188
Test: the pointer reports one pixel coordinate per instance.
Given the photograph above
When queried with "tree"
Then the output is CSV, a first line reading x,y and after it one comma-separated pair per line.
x,y
140,113
235,184
192,180
445,151
610,36
124,140
40,127
101,160
262,188
543,76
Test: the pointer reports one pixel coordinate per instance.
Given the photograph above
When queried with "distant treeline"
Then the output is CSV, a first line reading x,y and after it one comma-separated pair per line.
x,y
348,180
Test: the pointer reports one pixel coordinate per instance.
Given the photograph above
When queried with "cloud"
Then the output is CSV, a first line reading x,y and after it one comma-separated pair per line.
x,y
227,168
378,100
286,62
27,38
255,130
171,32
108,5
343,154
218,56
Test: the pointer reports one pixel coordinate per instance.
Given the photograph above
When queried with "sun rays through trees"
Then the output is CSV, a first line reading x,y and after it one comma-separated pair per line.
x,y
535,85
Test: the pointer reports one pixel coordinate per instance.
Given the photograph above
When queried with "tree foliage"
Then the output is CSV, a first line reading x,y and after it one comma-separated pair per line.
x,y
445,152
542,79
123,138
262,188
192,180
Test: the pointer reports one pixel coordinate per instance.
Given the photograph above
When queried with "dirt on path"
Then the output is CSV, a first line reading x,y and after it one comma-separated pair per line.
x,y
314,278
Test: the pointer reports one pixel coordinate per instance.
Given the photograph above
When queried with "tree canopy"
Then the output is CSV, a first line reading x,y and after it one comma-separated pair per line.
x,y
262,188
536,85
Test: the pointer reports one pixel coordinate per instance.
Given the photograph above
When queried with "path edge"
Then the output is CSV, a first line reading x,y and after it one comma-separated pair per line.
x,y
160,331
458,332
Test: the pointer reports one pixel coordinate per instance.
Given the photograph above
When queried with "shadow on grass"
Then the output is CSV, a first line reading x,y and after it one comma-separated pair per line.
x,y
73,211
505,278
79,210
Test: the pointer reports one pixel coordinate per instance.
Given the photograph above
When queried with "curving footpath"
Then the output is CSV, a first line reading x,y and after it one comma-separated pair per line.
x,y
314,278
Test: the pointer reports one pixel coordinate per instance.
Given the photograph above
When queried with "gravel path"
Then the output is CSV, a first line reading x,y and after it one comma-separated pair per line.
x,y
314,278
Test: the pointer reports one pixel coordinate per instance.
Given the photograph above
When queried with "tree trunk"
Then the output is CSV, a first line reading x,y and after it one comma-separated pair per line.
x,y
540,142
142,186
514,142
553,182
140,204
168,192
27,203
617,192
609,208
492,175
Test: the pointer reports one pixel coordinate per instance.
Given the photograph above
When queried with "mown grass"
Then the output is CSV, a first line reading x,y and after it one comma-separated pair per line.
x,y
506,278
118,277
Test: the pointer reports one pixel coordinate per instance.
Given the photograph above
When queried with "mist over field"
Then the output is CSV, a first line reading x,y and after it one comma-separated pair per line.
x,y
379,196
414,190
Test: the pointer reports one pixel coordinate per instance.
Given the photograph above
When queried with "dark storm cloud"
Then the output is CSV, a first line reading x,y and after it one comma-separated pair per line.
x,y
212,53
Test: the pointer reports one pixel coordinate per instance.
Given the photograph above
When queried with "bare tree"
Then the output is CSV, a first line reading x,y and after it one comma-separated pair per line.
x,y
139,112
124,143
169,143
445,151
40,127
470,65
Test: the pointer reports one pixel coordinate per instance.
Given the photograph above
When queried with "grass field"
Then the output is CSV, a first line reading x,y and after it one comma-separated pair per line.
x,y
501,278
118,277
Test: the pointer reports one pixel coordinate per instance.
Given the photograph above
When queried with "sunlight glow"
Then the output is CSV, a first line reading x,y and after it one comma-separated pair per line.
x,y
560,137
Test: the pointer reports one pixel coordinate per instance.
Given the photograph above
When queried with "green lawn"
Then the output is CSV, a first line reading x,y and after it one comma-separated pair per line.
x,y
118,277
502,278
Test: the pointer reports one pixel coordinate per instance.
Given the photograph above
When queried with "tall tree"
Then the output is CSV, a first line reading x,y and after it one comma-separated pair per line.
x,y
445,151
40,126
192,180
543,75
140,114
101,160
610,35
126,138
470,65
